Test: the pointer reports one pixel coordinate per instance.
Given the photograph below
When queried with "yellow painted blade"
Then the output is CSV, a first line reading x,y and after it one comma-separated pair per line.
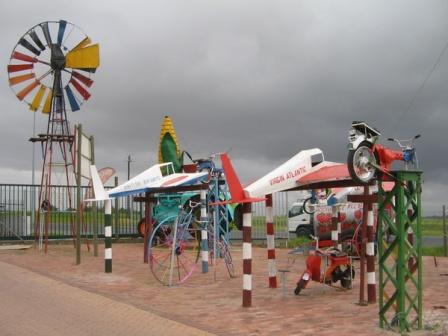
x,y
37,99
21,78
88,57
24,92
47,105
82,44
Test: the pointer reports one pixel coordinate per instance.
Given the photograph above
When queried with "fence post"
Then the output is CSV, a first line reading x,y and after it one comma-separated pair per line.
x,y
445,245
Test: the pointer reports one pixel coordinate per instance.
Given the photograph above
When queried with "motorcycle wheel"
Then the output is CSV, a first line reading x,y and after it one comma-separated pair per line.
x,y
358,163
300,285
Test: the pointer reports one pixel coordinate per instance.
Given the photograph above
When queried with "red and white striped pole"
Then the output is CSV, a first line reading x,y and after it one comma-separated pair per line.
x,y
247,254
272,269
334,225
370,256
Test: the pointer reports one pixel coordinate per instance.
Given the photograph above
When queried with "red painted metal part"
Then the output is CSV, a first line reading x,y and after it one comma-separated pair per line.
x,y
313,267
83,79
20,67
83,92
235,187
22,57
387,156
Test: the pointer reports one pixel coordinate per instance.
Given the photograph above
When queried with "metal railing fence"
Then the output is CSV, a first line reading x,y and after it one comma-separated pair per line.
x,y
18,217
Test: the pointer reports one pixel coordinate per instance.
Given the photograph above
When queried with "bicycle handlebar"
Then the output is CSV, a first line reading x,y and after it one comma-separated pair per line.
x,y
405,143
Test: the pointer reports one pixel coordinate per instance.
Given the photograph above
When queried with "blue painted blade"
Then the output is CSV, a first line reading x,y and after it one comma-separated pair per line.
x,y
71,98
62,25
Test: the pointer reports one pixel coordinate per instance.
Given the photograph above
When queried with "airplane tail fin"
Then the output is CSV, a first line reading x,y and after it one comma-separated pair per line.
x,y
98,188
234,184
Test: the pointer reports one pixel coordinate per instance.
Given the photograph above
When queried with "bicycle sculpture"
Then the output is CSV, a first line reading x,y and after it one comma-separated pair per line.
x,y
174,245
367,159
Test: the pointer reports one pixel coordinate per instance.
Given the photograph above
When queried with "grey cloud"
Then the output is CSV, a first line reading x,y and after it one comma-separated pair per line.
x,y
266,79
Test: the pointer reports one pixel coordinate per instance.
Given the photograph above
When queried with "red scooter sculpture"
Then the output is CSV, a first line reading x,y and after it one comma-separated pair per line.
x,y
337,267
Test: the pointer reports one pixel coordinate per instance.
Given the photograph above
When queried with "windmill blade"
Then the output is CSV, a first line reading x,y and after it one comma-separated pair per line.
x,y
22,57
22,78
61,30
24,43
88,57
36,40
24,92
84,43
47,105
83,79
83,92
46,31
90,70
19,67
37,99
71,98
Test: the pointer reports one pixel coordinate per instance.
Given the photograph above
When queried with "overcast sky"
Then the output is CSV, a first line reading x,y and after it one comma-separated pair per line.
x,y
265,79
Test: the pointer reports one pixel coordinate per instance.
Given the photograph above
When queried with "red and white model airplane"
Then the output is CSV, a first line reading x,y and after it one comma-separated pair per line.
x,y
147,181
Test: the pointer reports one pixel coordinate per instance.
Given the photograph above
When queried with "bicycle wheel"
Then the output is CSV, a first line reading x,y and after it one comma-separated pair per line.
x,y
173,250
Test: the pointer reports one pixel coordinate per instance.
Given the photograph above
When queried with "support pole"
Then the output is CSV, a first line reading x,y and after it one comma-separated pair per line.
x,y
272,270
362,259
108,236
204,235
247,255
116,213
339,230
410,233
370,252
445,243
148,227
334,225
78,195
94,205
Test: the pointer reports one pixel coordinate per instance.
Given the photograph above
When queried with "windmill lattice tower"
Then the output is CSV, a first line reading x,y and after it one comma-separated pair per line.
x,y
55,60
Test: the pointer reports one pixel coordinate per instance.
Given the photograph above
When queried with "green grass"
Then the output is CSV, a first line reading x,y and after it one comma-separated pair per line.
x,y
432,227
433,251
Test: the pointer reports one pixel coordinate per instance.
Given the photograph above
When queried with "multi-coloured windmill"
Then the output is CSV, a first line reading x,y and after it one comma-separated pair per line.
x,y
53,58
53,63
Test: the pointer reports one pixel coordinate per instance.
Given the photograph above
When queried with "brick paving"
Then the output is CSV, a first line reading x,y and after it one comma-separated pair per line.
x,y
31,304
212,302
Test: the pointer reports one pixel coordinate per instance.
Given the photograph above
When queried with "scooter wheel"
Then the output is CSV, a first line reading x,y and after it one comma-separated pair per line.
x,y
358,163
300,285
346,283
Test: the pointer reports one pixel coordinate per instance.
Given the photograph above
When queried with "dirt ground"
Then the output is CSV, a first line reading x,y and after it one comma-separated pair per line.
x,y
212,301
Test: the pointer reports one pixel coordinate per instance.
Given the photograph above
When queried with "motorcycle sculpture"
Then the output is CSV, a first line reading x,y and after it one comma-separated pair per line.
x,y
337,267
367,159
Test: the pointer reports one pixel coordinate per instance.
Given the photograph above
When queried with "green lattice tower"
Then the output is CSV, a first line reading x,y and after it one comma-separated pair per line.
x,y
400,260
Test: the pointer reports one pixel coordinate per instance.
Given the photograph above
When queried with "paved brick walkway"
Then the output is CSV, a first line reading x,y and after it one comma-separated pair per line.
x,y
212,301
31,304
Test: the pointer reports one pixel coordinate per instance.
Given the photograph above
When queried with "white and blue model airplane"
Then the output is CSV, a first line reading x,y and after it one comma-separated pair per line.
x,y
147,181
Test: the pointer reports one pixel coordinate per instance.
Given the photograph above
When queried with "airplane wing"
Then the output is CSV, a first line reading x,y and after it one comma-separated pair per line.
x,y
331,174
150,181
